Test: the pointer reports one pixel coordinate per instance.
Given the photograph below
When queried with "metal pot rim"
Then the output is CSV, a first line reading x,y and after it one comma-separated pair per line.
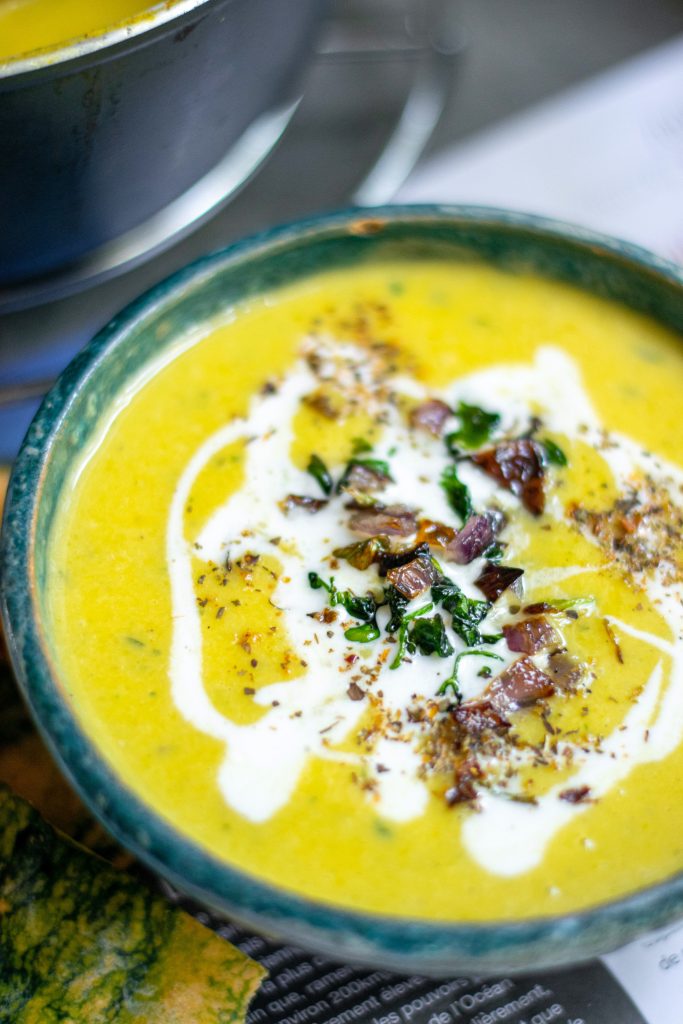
x,y
157,17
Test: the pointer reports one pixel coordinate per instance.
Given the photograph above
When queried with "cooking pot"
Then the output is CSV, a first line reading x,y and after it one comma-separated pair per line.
x,y
101,134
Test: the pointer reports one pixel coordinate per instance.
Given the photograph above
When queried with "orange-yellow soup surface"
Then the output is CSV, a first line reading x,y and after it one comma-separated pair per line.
x,y
183,646
30,25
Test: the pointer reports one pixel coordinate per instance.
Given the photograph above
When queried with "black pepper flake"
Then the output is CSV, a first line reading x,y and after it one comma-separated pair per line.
x,y
576,795
220,613
253,662
354,692
249,691
619,654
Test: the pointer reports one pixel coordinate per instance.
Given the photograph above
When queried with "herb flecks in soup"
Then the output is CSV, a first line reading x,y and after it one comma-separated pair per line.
x,y
397,587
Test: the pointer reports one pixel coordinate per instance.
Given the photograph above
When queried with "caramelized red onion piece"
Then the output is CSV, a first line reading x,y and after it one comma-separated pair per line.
x,y
392,559
303,501
391,520
519,685
365,478
464,778
478,716
494,579
566,671
518,466
530,635
413,578
437,534
431,416
472,541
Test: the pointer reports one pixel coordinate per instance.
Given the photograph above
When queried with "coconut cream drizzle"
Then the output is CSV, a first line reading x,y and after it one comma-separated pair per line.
x,y
264,760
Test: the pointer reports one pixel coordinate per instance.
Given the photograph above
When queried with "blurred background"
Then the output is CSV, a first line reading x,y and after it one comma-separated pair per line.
x,y
493,101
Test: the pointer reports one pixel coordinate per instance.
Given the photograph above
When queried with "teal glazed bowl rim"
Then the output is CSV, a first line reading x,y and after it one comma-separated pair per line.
x,y
52,446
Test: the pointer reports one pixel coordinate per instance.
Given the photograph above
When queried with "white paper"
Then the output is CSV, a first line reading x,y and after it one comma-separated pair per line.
x,y
650,970
607,154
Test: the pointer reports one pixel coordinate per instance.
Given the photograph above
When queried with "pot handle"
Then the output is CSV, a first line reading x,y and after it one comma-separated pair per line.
x,y
431,38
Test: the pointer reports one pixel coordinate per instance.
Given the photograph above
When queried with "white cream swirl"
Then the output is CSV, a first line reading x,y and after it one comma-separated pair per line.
x,y
263,761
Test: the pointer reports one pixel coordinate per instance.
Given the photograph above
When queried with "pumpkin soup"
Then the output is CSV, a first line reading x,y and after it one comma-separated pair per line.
x,y
373,588
30,25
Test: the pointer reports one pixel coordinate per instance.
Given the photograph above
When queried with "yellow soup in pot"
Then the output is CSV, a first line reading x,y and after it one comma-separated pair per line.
x,y
373,589
28,25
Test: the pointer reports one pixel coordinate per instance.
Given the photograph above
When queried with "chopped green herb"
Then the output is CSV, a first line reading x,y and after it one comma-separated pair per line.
x,y
403,641
360,445
518,798
466,612
363,634
397,605
452,682
361,498
565,604
554,453
317,582
494,553
360,607
485,672
364,608
317,468
491,638
476,426
451,441
457,492
437,565
377,467
429,636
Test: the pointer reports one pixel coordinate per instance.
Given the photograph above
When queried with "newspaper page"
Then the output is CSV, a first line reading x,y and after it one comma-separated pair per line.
x,y
642,984
609,155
